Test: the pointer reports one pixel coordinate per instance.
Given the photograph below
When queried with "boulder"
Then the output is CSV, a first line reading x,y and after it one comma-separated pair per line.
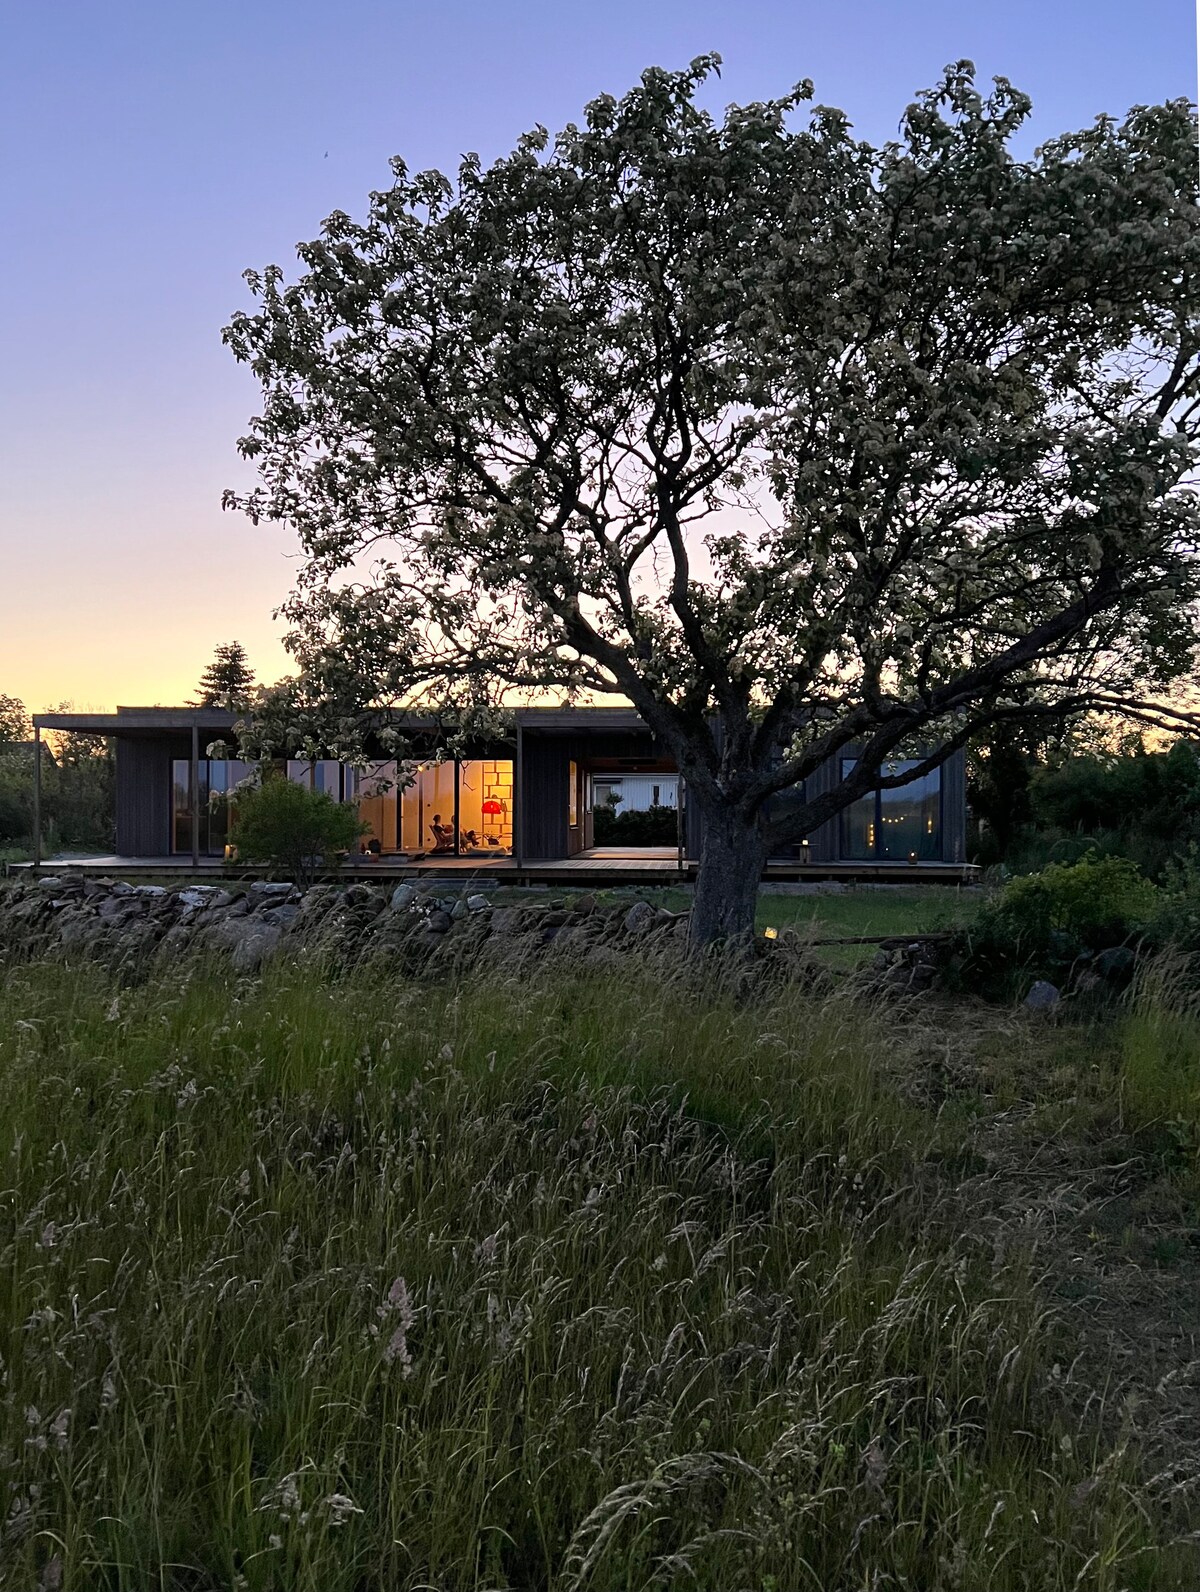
x,y
1043,997
438,922
1116,964
403,897
639,917
256,945
477,903
284,914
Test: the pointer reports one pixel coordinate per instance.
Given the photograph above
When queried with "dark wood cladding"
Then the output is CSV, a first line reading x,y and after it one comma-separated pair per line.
x,y
545,791
144,793
545,782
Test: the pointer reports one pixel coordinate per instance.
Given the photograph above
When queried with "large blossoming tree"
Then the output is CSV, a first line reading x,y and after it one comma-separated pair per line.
x,y
798,444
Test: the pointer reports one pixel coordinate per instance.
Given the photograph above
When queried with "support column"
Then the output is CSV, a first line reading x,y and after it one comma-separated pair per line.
x,y
37,798
194,795
680,825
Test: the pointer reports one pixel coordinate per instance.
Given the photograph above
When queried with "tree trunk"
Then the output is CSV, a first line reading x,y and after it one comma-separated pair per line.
x,y
731,864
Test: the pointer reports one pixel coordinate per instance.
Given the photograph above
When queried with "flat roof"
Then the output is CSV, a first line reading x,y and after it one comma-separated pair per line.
x,y
126,719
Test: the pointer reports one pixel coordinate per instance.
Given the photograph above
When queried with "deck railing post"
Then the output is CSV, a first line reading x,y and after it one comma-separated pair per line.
x,y
37,798
680,828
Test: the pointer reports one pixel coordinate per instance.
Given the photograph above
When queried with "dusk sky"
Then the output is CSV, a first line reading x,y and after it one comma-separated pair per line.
x,y
151,152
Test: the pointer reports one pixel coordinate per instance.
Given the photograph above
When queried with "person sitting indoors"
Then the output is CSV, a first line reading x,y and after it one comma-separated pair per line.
x,y
443,834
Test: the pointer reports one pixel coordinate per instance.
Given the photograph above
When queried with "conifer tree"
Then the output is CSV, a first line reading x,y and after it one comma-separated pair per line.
x,y
228,680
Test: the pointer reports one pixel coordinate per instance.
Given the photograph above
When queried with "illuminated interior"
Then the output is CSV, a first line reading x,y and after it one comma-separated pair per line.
x,y
900,824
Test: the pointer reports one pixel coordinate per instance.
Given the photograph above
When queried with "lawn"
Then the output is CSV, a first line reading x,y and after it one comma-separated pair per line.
x,y
562,1282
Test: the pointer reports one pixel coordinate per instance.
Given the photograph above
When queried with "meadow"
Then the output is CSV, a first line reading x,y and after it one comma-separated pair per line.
x,y
599,1283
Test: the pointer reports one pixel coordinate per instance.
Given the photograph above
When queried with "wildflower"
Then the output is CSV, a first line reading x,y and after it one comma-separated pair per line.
x,y
398,1304
874,1466
339,1508
485,1252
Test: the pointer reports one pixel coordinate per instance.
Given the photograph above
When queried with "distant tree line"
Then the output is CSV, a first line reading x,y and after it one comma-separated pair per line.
x,y
1037,799
78,785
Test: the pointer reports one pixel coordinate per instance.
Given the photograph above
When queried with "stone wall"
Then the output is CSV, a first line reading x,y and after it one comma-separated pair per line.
x,y
133,927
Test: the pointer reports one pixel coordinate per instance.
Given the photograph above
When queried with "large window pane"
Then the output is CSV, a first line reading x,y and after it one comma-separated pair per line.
x,y
910,816
485,803
780,806
377,796
181,806
403,805
214,808
858,822
323,774
898,824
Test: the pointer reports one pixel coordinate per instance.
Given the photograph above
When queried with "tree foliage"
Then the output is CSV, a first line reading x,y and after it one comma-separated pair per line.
x,y
228,681
78,798
797,443
14,720
1136,803
291,828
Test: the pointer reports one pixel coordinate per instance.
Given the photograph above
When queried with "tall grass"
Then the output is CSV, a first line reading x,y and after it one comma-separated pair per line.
x,y
557,1283
1161,1048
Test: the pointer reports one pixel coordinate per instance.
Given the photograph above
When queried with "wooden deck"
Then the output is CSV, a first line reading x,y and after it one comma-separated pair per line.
x,y
601,866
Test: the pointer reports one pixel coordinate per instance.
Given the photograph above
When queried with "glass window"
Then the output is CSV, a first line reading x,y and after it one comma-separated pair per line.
x,y
901,823
485,806
214,808
573,796
780,806
910,816
375,790
323,774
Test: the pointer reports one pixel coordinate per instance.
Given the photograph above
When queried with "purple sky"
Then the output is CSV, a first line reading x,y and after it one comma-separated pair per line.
x,y
153,151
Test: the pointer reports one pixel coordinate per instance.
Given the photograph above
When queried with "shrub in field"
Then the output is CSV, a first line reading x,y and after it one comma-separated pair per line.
x,y
567,1284
1044,922
1176,923
292,828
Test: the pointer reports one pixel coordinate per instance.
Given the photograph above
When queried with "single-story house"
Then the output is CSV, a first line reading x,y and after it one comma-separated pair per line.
x,y
529,798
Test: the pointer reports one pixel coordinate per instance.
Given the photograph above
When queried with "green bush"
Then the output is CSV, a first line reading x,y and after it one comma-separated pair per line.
x,y
656,826
1176,923
1043,923
293,829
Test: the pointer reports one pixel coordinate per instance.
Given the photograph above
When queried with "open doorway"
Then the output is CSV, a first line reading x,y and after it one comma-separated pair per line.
x,y
635,805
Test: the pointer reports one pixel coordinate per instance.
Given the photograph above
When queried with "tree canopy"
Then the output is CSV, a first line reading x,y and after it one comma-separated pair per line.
x,y
797,443
228,681
14,720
